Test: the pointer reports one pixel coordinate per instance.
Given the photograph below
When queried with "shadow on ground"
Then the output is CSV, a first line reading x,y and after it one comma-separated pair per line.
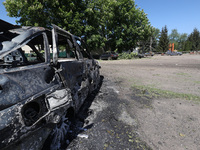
x,y
80,119
107,123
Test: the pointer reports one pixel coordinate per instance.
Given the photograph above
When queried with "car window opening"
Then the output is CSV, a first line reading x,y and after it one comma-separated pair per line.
x,y
31,53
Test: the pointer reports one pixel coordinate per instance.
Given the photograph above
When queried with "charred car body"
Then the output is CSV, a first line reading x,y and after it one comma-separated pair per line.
x,y
44,76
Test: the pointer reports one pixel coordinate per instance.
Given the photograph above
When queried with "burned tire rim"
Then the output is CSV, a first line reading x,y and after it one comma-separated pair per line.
x,y
59,135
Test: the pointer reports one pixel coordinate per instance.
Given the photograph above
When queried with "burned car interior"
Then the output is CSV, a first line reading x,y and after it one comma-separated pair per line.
x,y
44,75
30,52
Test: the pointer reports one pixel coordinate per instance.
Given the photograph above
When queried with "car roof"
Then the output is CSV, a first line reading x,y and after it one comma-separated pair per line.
x,y
12,36
5,26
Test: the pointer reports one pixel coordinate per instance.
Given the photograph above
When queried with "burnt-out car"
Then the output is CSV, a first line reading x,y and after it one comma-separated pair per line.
x,y
45,76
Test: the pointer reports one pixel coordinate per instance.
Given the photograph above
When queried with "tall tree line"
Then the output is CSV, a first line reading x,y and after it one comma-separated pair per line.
x,y
163,44
178,39
182,41
193,41
104,24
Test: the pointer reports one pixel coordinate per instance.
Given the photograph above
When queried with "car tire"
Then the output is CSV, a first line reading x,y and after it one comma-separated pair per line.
x,y
109,58
58,136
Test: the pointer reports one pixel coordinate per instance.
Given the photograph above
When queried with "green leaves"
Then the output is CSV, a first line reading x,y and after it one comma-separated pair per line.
x,y
178,39
105,24
194,40
163,44
184,42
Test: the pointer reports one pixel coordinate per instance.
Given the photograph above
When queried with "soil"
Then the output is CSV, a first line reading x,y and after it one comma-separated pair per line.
x,y
121,116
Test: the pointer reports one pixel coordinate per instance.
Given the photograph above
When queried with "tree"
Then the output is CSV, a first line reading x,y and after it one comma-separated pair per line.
x,y
178,39
152,42
156,33
97,17
109,24
182,41
119,25
188,46
67,14
174,37
163,44
130,25
194,40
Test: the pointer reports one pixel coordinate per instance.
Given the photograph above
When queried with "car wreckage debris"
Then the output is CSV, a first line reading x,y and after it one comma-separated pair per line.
x,y
45,76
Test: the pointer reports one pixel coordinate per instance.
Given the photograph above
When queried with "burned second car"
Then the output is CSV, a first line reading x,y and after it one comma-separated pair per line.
x,y
45,76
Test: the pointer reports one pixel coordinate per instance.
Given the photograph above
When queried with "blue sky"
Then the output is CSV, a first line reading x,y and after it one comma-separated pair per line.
x,y
183,15
3,14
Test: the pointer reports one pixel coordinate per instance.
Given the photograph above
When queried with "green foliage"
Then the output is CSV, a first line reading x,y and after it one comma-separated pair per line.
x,y
188,46
156,33
67,14
193,42
104,24
151,43
152,92
174,36
119,24
182,41
155,39
125,55
178,39
163,40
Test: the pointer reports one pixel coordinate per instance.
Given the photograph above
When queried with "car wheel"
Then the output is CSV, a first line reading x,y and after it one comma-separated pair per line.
x,y
57,137
109,58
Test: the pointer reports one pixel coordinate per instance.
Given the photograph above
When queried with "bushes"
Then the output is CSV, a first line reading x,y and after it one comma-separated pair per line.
x,y
125,55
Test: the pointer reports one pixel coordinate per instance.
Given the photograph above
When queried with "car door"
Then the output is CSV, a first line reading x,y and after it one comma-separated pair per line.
x,y
91,66
24,84
70,65
23,77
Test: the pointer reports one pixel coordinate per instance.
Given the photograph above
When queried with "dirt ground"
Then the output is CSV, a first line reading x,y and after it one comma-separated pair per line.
x,y
149,103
